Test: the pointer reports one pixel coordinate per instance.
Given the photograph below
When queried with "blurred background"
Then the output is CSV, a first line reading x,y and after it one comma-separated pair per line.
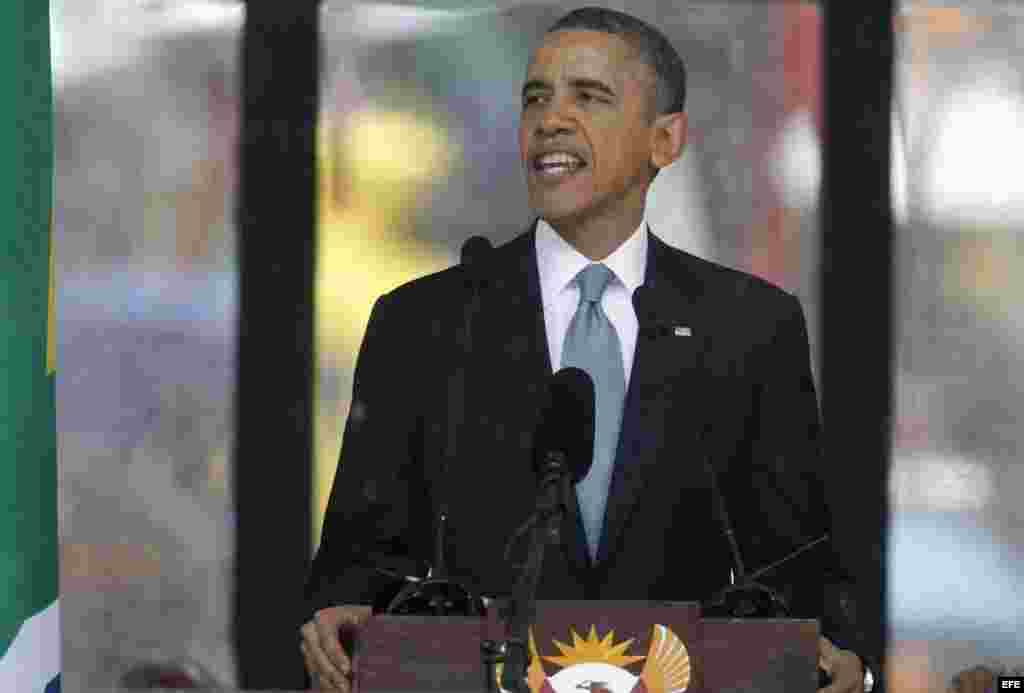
x,y
956,578
146,122
416,153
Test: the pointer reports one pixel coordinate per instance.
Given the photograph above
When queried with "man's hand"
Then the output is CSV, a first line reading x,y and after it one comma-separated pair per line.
x,y
328,664
843,666
974,680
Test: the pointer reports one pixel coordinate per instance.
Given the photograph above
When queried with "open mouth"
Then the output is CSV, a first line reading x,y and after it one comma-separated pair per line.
x,y
557,164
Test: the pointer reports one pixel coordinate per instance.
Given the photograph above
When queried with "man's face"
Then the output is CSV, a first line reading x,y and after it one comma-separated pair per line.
x,y
587,96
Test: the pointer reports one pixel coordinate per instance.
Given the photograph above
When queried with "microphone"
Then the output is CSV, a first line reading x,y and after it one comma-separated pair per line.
x,y
563,445
472,261
566,426
474,250
562,454
649,326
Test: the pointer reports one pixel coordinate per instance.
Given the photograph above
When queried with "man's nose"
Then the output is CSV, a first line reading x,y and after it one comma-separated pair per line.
x,y
554,121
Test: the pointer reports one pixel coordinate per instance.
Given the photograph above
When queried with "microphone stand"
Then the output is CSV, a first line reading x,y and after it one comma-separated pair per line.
x,y
440,594
747,598
743,597
544,529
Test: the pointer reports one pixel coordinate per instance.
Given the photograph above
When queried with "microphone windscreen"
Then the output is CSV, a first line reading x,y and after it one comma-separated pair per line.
x,y
474,250
643,304
640,297
567,422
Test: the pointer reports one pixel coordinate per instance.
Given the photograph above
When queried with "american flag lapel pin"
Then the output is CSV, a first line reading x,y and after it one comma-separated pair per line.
x,y
680,331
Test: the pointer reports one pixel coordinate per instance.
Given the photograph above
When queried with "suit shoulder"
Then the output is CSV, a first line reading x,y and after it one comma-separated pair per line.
x,y
426,289
728,282
449,284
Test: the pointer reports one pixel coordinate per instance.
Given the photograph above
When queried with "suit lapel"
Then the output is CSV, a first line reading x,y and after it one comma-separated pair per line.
x,y
668,300
512,321
513,318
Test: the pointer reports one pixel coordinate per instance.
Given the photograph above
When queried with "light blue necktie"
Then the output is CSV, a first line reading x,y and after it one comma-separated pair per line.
x,y
592,344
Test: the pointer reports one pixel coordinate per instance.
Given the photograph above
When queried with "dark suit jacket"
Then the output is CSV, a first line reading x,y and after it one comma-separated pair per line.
x,y
738,392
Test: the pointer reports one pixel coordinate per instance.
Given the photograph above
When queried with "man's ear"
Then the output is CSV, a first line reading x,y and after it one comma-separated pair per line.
x,y
669,138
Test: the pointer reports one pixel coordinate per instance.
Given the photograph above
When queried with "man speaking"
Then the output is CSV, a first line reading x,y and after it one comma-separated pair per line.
x,y
693,364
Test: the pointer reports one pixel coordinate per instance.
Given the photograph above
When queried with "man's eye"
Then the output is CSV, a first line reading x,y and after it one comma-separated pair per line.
x,y
587,97
531,100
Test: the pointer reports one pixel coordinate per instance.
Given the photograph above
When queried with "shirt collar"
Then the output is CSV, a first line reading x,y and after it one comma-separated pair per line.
x,y
558,262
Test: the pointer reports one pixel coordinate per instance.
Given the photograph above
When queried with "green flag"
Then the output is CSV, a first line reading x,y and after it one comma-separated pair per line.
x,y
29,622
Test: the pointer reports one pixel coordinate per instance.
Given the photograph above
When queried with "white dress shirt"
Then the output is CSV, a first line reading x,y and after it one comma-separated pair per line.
x,y
558,263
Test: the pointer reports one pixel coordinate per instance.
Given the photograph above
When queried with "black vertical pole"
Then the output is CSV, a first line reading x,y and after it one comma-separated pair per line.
x,y
274,395
857,256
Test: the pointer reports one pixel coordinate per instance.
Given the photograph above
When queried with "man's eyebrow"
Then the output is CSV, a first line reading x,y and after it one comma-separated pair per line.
x,y
585,83
575,82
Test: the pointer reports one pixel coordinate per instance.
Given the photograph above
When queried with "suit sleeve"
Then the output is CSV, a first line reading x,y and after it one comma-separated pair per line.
x,y
788,487
377,495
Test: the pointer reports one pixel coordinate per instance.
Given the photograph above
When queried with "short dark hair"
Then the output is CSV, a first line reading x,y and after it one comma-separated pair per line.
x,y
653,47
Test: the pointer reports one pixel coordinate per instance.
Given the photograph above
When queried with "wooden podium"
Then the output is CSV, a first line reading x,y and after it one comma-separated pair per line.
x,y
600,647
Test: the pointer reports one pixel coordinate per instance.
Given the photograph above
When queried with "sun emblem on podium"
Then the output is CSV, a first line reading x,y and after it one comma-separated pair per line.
x,y
597,665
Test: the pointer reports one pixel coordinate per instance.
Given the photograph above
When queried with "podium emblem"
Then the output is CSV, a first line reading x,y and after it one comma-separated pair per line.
x,y
598,665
